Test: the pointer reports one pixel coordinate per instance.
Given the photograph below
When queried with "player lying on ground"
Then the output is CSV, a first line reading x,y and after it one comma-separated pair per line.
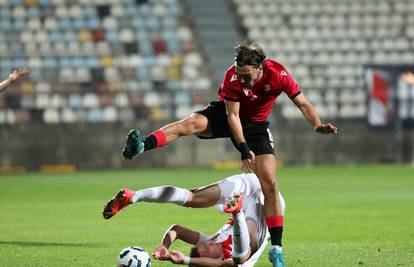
x,y
223,248
14,76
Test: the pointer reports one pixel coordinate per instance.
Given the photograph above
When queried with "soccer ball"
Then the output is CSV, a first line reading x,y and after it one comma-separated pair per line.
x,y
134,257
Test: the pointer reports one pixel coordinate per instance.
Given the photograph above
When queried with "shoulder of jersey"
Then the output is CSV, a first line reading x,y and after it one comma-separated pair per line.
x,y
231,75
275,67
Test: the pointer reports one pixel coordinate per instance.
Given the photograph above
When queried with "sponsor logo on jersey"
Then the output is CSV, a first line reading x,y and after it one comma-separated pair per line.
x,y
246,91
283,73
233,78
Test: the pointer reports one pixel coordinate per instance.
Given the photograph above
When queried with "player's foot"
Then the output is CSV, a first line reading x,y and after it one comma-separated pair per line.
x,y
134,144
234,205
276,256
118,202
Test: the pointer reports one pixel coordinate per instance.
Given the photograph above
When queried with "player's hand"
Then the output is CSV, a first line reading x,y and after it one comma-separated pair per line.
x,y
177,257
408,77
161,253
326,128
247,165
17,74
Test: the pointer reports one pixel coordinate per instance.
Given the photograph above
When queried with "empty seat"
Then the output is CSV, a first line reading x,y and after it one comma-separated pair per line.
x,y
94,115
90,100
42,101
68,115
75,101
109,114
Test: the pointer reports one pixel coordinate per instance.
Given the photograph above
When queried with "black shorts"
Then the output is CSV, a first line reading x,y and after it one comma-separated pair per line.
x,y
257,134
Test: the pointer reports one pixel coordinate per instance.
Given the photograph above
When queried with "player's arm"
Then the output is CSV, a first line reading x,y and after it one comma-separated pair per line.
x,y
177,257
14,76
309,112
233,120
171,235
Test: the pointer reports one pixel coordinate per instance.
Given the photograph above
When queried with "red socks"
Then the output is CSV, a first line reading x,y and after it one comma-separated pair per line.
x,y
274,221
161,137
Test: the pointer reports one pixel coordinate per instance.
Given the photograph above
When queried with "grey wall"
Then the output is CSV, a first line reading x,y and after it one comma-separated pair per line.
x,y
91,146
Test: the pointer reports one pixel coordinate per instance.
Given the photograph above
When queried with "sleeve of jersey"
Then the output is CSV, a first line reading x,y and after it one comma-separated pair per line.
x,y
289,86
229,92
203,239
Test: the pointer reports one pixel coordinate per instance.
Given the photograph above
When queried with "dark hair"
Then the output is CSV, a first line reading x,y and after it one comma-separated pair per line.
x,y
194,254
249,53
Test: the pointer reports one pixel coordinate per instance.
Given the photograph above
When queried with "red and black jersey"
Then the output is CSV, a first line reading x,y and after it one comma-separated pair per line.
x,y
256,103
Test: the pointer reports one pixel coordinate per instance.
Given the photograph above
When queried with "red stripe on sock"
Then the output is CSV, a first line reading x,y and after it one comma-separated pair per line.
x,y
161,137
274,221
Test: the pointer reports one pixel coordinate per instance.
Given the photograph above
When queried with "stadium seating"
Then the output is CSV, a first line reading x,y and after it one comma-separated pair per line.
x,y
324,44
98,61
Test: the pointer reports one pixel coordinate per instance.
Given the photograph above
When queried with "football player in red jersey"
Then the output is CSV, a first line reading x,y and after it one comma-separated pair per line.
x,y
14,76
246,98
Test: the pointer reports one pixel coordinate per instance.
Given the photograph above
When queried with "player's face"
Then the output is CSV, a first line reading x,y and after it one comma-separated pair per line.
x,y
210,250
249,75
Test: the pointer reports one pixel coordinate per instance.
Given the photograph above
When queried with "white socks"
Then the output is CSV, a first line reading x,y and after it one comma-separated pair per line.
x,y
162,194
241,239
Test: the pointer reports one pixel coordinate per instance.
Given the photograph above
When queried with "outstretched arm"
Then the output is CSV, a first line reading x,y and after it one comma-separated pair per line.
x,y
14,76
171,235
233,119
177,257
312,116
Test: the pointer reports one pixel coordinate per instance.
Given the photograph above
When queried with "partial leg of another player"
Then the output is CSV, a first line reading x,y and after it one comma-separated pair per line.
x,y
136,143
199,198
241,236
266,171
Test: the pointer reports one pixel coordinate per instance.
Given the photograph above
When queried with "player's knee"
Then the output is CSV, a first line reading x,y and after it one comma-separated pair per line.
x,y
269,189
240,259
190,200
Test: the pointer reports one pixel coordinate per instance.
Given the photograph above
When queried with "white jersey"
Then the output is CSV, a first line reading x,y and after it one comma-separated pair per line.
x,y
253,200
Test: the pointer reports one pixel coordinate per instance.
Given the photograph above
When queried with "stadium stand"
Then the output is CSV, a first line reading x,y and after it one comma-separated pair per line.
x,y
108,66
325,45
217,29
99,61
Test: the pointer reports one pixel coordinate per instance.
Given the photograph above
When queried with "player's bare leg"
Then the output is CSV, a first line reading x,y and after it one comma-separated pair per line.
x,y
136,143
266,171
202,197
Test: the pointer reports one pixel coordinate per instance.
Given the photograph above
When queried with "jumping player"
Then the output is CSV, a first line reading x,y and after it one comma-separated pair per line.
x,y
246,97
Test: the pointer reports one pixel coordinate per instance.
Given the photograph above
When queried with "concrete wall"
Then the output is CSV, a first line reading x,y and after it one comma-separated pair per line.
x,y
91,146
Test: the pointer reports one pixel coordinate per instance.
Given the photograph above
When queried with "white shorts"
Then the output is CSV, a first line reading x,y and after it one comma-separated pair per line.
x,y
246,184
253,200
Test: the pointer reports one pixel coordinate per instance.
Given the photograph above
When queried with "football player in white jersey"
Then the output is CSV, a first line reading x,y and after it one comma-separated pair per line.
x,y
239,242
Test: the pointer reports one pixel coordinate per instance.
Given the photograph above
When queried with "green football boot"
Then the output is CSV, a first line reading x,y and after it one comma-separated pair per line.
x,y
134,144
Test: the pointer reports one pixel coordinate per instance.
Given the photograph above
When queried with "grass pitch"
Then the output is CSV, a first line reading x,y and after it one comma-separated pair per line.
x,y
336,216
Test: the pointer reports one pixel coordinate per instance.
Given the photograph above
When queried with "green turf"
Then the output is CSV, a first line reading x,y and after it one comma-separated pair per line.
x,y
336,216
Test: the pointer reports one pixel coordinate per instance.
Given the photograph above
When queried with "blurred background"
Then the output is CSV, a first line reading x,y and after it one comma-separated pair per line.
x,y
99,68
